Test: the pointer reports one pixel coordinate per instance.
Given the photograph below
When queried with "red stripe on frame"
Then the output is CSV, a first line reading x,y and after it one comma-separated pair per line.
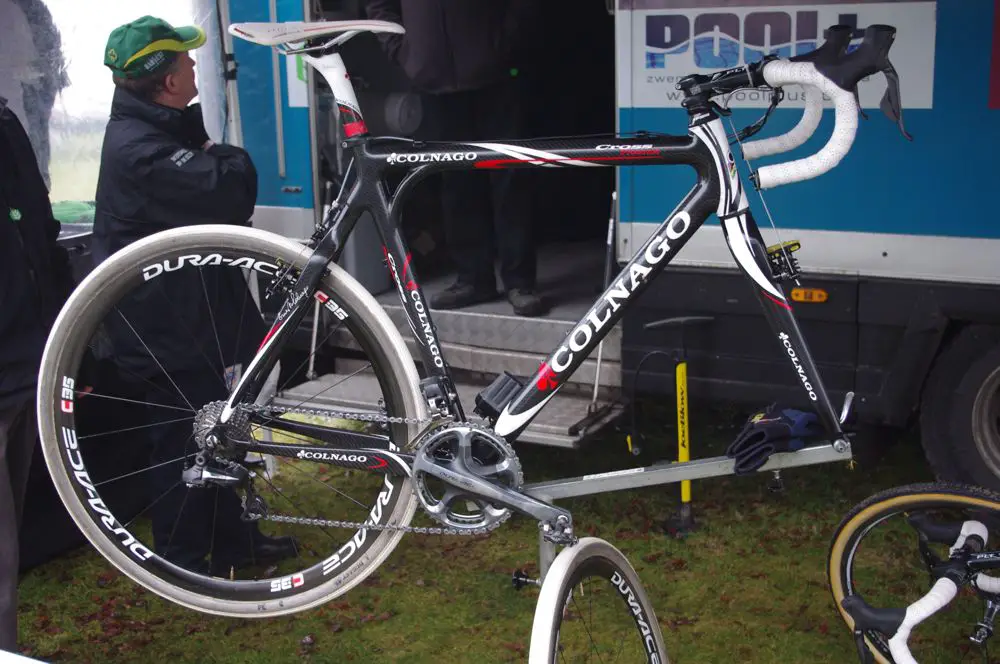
x,y
355,128
498,163
776,301
994,98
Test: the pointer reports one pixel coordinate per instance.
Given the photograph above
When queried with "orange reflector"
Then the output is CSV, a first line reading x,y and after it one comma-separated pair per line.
x,y
809,295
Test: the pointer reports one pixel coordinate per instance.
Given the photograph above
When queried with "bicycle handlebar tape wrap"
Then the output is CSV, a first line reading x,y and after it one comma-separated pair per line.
x,y
782,72
771,431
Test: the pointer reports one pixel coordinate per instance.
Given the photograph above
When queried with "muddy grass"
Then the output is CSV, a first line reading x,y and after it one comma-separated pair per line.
x,y
749,585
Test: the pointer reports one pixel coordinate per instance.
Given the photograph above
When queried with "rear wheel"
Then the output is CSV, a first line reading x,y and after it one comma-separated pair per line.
x,y
327,561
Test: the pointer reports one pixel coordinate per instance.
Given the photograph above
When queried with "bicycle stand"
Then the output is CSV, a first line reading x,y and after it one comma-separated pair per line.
x,y
668,473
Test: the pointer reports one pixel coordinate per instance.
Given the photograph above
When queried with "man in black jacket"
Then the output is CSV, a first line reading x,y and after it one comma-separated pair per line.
x,y
159,170
465,57
35,280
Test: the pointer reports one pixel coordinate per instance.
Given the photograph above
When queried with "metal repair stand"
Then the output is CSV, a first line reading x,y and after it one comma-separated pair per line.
x,y
670,473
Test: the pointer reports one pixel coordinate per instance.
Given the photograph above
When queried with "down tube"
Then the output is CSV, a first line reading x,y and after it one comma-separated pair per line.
x,y
633,279
747,247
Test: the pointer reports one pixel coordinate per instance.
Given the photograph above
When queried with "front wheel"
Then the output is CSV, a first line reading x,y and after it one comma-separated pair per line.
x,y
593,607
176,316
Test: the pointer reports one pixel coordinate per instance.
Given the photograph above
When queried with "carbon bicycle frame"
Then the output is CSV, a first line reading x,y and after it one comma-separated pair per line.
x,y
718,189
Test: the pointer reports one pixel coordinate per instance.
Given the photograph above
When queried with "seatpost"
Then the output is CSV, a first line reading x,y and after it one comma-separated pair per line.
x,y
331,67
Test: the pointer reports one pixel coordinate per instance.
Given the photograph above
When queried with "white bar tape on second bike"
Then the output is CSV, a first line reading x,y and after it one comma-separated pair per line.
x,y
782,72
939,596
799,134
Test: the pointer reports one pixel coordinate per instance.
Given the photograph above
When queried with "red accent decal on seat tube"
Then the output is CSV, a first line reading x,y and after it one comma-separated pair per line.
x,y
355,128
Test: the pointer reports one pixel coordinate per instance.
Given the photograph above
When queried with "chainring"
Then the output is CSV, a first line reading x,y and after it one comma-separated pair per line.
x,y
465,448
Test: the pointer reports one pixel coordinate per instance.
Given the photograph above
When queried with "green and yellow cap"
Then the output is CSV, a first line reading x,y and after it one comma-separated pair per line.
x,y
141,48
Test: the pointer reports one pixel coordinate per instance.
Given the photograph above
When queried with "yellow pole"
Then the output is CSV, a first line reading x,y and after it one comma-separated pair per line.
x,y
683,453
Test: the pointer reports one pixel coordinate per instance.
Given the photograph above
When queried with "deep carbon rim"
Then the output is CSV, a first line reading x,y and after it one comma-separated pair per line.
x,y
94,298
874,511
593,558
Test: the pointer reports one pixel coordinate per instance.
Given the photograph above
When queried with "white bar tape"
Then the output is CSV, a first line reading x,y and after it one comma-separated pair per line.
x,y
782,72
799,134
944,591
988,584
970,528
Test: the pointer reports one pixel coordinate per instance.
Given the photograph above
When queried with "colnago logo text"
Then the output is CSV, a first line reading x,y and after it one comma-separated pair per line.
x,y
620,292
628,594
797,364
198,260
418,305
429,157
332,456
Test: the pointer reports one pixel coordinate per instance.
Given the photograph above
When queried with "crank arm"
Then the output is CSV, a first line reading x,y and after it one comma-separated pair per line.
x,y
560,521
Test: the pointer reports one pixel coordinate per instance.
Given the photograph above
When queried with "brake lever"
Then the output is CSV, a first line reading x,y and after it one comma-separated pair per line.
x,y
892,102
857,101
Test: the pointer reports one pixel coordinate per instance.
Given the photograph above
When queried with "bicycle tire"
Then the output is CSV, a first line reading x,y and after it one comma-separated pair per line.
x,y
867,514
374,331
591,556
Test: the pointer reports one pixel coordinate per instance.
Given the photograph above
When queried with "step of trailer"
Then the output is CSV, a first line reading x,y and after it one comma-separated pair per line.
x,y
489,338
554,425
496,360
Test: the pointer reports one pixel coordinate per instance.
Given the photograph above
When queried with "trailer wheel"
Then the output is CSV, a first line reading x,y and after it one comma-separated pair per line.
x,y
960,409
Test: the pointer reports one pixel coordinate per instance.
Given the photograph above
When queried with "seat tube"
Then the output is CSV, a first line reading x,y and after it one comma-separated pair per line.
x,y
332,68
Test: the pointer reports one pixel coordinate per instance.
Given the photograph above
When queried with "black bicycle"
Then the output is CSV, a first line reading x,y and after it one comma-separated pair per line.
x,y
417,446
914,550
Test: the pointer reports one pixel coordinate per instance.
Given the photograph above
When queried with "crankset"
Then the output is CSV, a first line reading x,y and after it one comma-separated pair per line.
x,y
468,478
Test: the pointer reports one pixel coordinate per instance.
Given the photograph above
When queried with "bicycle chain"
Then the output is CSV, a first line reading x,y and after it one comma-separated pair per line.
x,y
356,525
362,417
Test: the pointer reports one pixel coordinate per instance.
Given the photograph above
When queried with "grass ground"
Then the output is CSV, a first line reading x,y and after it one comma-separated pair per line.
x,y
748,586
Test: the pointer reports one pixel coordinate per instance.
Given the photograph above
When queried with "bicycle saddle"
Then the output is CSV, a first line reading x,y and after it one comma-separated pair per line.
x,y
272,34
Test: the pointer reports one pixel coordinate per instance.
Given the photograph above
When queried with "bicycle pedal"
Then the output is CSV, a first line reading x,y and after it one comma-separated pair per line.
x,y
776,485
520,580
491,401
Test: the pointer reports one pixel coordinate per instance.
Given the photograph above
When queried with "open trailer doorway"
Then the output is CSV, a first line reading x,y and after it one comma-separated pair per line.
x,y
571,90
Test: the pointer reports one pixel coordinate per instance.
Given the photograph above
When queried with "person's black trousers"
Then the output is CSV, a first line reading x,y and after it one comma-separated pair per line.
x,y
487,213
18,433
188,523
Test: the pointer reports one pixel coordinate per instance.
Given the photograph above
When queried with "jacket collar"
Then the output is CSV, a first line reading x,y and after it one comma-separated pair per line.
x,y
124,104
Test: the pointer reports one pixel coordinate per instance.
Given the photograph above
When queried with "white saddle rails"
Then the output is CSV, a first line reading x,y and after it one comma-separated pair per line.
x,y
285,32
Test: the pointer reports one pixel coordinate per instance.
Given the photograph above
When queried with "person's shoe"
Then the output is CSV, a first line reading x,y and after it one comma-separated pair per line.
x,y
527,302
459,295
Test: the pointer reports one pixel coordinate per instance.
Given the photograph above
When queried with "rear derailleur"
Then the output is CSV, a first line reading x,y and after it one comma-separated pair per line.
x,y
220,463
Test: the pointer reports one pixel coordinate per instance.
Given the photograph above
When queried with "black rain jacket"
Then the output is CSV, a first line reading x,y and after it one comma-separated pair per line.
x,y
35,277
154,176
456,45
